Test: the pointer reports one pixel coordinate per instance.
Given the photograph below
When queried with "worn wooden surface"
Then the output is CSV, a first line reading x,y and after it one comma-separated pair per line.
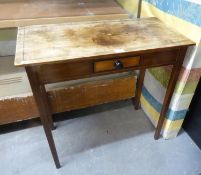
x,y
64,99
14,13
53,43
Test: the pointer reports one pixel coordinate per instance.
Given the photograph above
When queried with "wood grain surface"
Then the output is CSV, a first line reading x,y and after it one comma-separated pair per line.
x,y
14,13
41,44
64,99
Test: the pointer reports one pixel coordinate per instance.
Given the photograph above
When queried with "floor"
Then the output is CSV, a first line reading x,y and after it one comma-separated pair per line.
x,y
108,139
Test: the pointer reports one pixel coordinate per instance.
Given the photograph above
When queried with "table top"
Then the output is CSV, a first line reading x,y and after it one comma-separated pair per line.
x,y
15,13
52,43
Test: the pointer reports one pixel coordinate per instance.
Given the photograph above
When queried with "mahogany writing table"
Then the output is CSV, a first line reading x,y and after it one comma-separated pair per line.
x,y
61,52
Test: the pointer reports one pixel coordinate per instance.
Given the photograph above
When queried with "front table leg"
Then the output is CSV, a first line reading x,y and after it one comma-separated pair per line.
x,y
38,90
170,90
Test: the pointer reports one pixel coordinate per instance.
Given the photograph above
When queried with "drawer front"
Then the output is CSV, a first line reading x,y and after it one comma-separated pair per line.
x,y
116,64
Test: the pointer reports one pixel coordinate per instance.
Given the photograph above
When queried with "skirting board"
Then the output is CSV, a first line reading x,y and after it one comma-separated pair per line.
x,y
74,97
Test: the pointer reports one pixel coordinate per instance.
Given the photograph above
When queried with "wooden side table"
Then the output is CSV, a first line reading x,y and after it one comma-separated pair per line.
x,y
61,52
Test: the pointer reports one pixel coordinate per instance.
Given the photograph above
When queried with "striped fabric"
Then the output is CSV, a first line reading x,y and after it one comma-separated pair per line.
x,y
185,17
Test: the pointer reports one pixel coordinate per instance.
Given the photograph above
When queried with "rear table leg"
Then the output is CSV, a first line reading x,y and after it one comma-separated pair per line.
x,y
139,88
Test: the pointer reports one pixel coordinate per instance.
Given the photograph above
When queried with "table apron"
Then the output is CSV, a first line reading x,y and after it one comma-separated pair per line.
x,y
57,72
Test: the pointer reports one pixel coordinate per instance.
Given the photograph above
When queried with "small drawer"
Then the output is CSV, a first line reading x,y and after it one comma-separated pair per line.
x,y
116,64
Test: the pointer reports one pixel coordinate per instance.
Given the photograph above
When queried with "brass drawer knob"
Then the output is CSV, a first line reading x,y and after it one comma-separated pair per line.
x,y
118,65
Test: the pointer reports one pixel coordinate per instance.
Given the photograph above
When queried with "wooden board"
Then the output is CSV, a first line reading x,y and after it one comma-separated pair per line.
x,y
14,13
64,99
43,44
